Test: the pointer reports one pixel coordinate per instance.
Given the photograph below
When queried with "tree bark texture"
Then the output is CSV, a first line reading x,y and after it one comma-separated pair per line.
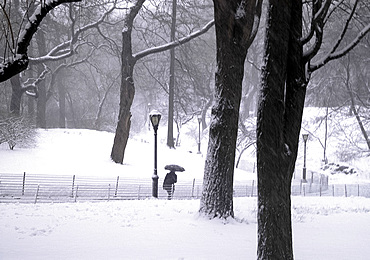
x,y
127,90
127,93
234,21
17,92
284,82
278,126
62,102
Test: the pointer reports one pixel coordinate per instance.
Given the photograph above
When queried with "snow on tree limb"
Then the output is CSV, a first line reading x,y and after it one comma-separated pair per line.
x,y
17,64
320,15
345,28
319,12
173,44
34,22
65,49
31,88
342,52
13,66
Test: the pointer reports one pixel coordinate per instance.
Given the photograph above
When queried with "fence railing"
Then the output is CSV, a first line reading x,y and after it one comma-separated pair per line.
x,y
66,188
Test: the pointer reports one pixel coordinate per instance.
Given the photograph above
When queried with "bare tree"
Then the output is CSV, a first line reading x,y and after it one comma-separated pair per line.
x,y
70,45
171,86
128,61
353,106
16,131
289,59
236,27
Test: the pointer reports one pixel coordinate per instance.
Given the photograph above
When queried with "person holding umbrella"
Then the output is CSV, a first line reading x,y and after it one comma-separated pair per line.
x,y
171,179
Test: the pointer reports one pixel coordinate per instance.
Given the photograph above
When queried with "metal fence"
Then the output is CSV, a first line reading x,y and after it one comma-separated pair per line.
x,y
66,188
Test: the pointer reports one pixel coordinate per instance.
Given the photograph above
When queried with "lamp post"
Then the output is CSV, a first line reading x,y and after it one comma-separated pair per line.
x,y
155,117
305,137
199,122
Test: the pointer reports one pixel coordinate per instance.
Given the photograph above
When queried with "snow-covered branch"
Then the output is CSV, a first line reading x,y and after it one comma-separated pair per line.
x,y
16,130
316,16
173,44
340,38
319,13
65,65
66,49
18,63
13,66
342,52
31,88
34,22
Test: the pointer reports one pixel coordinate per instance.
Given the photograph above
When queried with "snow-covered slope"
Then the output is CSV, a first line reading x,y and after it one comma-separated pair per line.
x,y
323,227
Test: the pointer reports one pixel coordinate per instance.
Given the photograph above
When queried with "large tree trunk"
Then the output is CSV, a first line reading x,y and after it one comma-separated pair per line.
x,y
62,102
274,224
17,92
278,126
233,38
41,103
124,116
127,91
171,87
284,83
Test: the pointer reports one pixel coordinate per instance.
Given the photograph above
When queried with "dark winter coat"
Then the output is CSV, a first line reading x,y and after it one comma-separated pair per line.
x,y
169,180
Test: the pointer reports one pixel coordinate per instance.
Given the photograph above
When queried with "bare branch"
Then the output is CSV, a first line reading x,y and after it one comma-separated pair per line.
x,y
31,89
19,62
316,17
319,13
173,44
65,65
34,22
65,49
340,38
342,52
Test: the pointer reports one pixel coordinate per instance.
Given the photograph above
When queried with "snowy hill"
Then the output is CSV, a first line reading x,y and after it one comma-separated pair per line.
x,y
87,152
323,227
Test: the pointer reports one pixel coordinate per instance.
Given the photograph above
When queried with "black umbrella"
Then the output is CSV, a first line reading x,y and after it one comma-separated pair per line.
x,y
174,167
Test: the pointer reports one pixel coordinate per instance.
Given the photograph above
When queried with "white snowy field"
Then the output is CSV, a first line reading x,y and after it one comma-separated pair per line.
x,y
323,227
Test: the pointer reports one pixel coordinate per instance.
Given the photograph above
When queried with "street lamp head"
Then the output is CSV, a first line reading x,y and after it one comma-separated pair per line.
x,y
155,117
199,119
305,137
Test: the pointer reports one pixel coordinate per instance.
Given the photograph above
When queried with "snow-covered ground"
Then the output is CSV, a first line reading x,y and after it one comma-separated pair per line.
x,y
323,227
